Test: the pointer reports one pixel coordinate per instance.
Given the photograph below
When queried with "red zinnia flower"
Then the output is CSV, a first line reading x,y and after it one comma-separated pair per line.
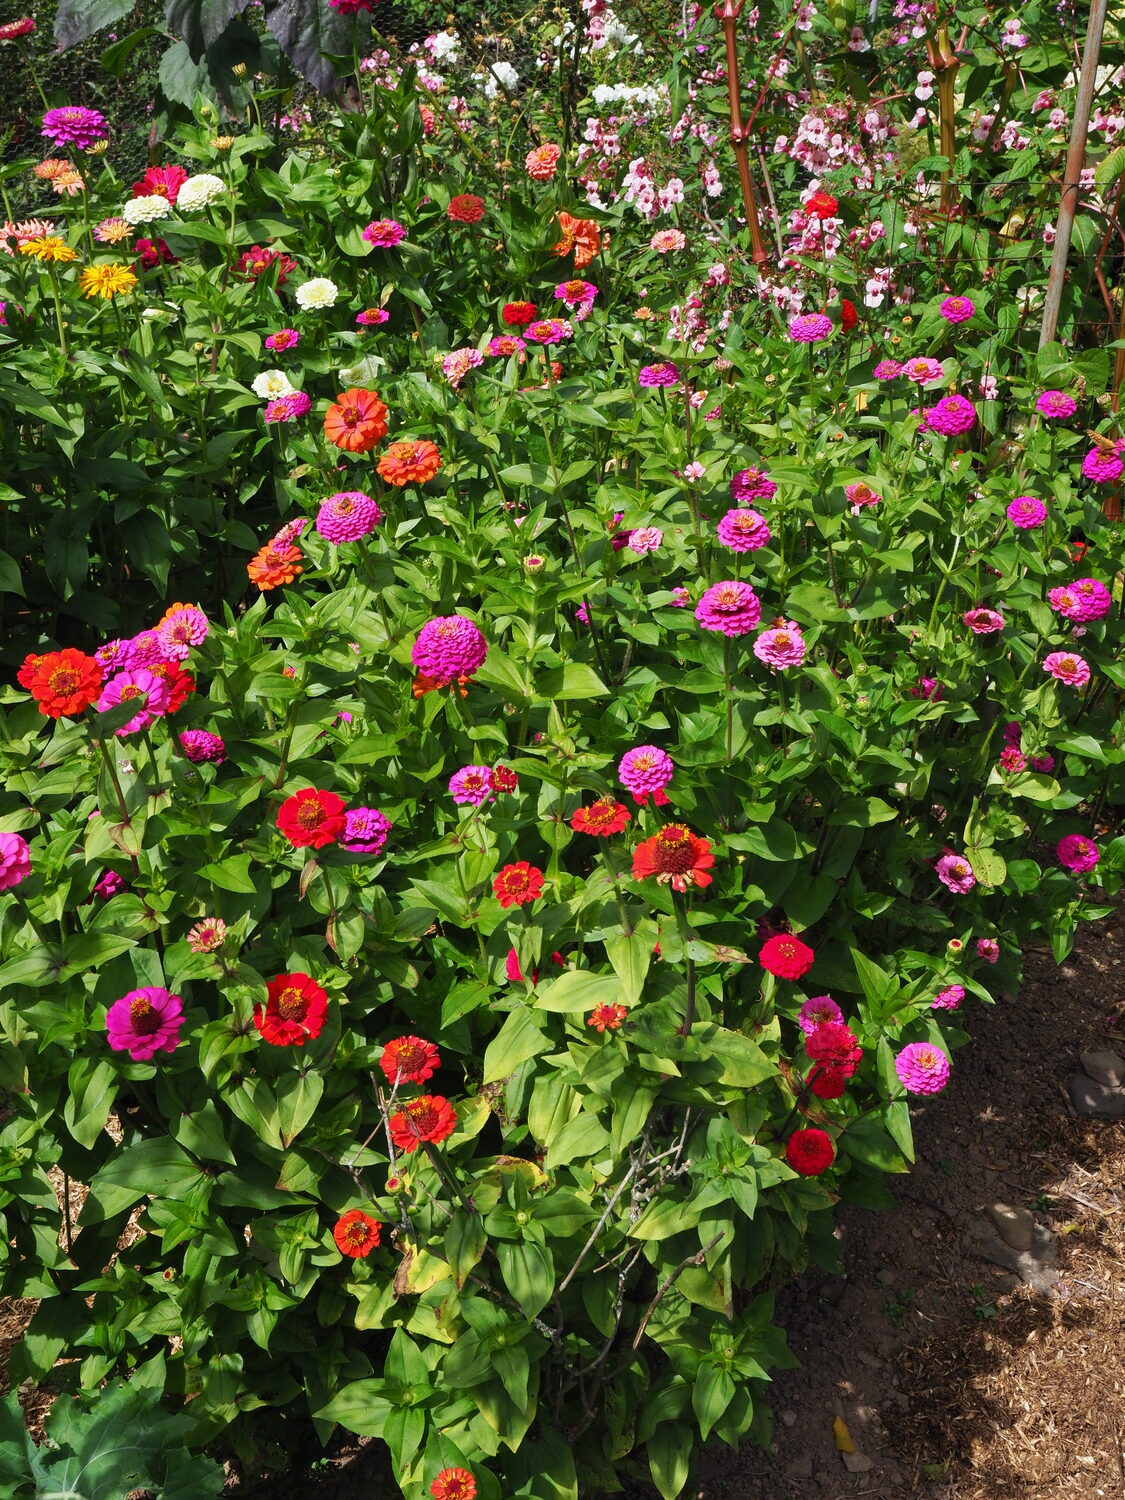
x,y
503,778
181,684
30,666
409,1059
606,1017
454,1484
310,819
827,1082
466,208
836,1045
518,884
162,182
257,261
604,817
786,956
821,206
429,1118
356,420
295,1008
356,1233
518,314
675,856
65,682
809,1152
848,315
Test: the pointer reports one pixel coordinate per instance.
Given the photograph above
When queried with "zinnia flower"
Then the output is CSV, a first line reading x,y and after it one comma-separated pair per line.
x,y
821,205
356,420
284,338
732,608
785,956
949,998
988,949
887,369
1066,667
658,375
256,261
146,210
782,645
295,1010
456,365
273,565
64,683
428,1118
384,233
505,345
922,370
75,125
48,247
1082,602
983,621
371,317
409,1059
751,484
645,539
665,241
165,182
922,1068
182,627
310,819
1026,512
200,745
518,314
1056,405
112,231
347,516
137,683
580,235
207,936
356,1233
542,162
817,1011
835,1045
288,408
414,462
518,884
602,818
447,647
144,1022
365,830
15,860
952,415
605,1018
11,31
317,293
198,191
471,785
466,208
675,856
957,309
1076,853
646,771
107,885
955,873
810,1151
810,328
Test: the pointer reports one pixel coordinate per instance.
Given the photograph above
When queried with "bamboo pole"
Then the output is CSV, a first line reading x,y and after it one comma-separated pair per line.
x,y
1075,159
728,12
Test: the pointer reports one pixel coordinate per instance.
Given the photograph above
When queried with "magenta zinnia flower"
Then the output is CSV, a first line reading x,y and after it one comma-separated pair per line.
x,y
1068,668
182,628
384,233
645,772
956,873
743,531
731,607
949,998
284,338
365,830
818,1012
1026,512
751,484
471,785
1102,466
782,645
952,415
1082,602
15,860
1076,853
988,949
957,309
145,1022
922,1068
136,683
75,125
347,516
201,745
1056,405
887,369
288,408
447,647
655,375
810,328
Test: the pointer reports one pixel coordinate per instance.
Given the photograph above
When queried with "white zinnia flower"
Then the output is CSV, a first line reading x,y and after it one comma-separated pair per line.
x,y
320,292
271,384
145,209
365,373
199,191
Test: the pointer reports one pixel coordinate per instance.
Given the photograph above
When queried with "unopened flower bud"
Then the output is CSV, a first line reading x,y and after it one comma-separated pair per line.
x,y
222,142
239,70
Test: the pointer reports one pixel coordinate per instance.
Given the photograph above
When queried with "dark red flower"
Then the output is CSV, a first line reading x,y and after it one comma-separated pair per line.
x,y
409,1059
848,315
152,252
295,1009
786,956
519,314
827,1081
257,261
311,819
518,884
356,1233
503,778
428,1118
809,1151
601,818
836,1045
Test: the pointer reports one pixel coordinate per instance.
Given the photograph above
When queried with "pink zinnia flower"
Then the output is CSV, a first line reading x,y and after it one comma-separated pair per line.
x,y
288,408
471,785
957,309
952,415
664,241
15,860
384,233
810,328
504,345
365,830
929,688
347,516
681,598
575,293
922,1068
456,365
447,647
662,374
1082,602
645,539
751,484
922,370
371,317
207,936
949,998
731,607
284,338
542,162
860,495
743,531
1076,853
1102,466
645,772
983,621
818,1012
200,745
184,626
1012,760
956,873
137,683
1056,405
1068,668
782,645
988,949
1026,512
74,125
887,369
549,331
145,1022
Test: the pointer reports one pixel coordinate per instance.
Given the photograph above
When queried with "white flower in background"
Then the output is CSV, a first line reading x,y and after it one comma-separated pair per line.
x,y
199,191
363,374
498,76
319,292
145,209
442,46
271,384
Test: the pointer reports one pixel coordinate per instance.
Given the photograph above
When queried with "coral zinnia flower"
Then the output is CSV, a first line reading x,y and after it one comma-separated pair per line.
x,y
604,817
786,956
409,1059
466,208
356,1233
809,1152
107,280
428,1118
271,565
580,235
410,462
518,884
454,1484
675,856
65,682
356,420
310,819
295,1008
606,1017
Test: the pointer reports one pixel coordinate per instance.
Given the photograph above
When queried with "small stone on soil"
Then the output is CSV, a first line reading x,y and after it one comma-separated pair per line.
x,y
1095,1099
1106,1068
800,1468
857,1463
1014,1225
1035,1266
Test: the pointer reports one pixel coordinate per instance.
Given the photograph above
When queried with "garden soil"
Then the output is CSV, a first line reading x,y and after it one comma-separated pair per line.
x,y
951,1380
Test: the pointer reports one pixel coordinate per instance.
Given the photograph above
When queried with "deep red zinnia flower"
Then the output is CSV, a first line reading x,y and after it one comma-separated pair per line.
x,y
503,779
409,1059
454,1484
518,884
809,1151
602,818
310,819
356,1233
519,314
676,856
295,1010
848,315
428,1118
181,684
786,956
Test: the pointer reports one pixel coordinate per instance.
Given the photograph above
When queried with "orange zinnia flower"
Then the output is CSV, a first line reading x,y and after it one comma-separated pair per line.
x,y
580,235
356,420
271,566
410,462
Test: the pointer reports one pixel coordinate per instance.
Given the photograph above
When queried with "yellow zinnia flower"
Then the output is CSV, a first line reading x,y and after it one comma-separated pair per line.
x,y
49,247
107,280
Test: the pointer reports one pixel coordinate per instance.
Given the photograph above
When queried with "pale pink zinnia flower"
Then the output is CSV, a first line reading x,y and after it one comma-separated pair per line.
x,y
782,645
207,936
983,621
666,240
1068,668
644,539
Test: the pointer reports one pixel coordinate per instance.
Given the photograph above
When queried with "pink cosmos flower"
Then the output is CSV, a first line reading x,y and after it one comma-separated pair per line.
x,y
644,539
743,531
284,338
384,234
15,860
141,684
988,949
183,627
949,998
645,772
1066,667
923,370
751,484
957,309
145,1022
74,125
288,408
471,785
1076,853
1056,405
662,374
887,369
1026,512
1102,466
782,645
448,647
810,328
365,830
818,1012
955,873
200,745
952,415
732,608
347,516
922,1068
664,241
983,621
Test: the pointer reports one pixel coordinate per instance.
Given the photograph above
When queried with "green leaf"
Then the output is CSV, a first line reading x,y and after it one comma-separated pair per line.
x,y
988,866
520,1038
297,1099
10,579
711,1394
156,1167
630,956
669,1458
574,680
91,1088
528,1270
75,20
465,1242
231,874
362,1407
579,990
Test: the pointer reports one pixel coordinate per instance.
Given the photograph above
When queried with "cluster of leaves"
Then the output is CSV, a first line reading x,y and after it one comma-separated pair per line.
x,y
580,1275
